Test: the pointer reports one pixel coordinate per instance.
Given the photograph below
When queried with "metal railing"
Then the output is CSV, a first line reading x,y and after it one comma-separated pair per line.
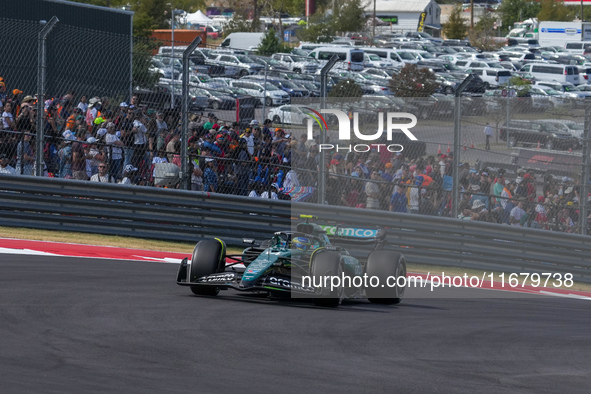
x,y
179,215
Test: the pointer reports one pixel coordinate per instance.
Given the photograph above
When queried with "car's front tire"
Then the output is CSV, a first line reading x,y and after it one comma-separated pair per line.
x,y
209,257
327,265
385,265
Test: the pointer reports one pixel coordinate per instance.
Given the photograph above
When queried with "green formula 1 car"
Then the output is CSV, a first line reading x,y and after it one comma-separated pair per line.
x,y
301,263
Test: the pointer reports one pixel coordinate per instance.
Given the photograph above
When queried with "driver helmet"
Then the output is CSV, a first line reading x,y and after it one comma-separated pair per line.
x,y
301,243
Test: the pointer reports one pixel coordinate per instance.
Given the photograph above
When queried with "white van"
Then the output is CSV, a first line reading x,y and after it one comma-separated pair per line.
x,y
353,58
310,46
553,72
245,41
398,57
577,47
492,76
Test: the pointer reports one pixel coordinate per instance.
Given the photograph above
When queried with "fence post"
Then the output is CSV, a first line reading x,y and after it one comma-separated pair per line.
x,y
265,93
185,178
41,66
323,94
585,173
455,193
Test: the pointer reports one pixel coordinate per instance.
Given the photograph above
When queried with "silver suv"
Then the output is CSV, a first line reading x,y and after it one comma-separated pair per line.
x,y
298,64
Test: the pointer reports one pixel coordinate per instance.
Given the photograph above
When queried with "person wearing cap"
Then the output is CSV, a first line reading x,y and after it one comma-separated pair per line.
x,y
5,167
94,156
279,142
399,201
27,119
249,140
65,155
271,192
210,178
128,174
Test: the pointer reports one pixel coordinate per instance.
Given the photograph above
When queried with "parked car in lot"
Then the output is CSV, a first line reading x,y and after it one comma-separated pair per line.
x,y
239,65
578,97
289,114
159,98
270,64
217,99
529,132
268,94
297,64
284,84
525,100
576,129
492,77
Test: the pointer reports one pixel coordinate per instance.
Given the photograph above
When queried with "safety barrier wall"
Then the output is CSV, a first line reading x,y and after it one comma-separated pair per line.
x,y
179,215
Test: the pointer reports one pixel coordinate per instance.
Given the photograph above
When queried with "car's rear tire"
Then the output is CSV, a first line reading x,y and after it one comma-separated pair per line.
x,y
327,264
276,119
512,142
385,264
549,144
268,101
243,73
215,105
209,257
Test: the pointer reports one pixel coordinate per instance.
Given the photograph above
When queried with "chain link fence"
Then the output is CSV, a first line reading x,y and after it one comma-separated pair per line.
x,y
255,128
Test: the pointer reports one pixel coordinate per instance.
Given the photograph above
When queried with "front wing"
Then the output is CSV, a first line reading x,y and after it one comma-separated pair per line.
x,y
232,279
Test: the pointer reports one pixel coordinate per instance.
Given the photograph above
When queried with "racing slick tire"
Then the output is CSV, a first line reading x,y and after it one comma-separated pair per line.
x,y
327,264
384,264
209,257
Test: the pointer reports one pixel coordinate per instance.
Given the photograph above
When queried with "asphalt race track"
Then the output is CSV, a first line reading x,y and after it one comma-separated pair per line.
x,y
70,325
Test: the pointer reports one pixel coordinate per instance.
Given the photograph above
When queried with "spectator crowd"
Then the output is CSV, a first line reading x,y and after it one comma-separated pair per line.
x,y
128,143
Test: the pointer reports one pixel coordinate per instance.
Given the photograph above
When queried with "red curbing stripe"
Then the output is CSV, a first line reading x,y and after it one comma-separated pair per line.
x,y
78,250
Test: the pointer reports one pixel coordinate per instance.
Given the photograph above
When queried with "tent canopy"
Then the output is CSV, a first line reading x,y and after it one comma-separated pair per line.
x,y
198,18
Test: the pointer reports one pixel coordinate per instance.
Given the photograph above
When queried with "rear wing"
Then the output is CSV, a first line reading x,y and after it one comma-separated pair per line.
x,y
356,235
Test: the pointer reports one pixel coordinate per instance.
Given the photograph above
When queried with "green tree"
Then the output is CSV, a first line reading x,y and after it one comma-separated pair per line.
x,y
456,27
348,16
556,11
517,10
413,82
271,44
346,88
482,35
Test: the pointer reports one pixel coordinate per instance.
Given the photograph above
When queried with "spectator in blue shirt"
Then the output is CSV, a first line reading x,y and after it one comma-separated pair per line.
x,y
398,201
210,179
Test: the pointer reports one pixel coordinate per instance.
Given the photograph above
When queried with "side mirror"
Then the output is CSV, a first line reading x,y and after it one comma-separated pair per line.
x,y
248,241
